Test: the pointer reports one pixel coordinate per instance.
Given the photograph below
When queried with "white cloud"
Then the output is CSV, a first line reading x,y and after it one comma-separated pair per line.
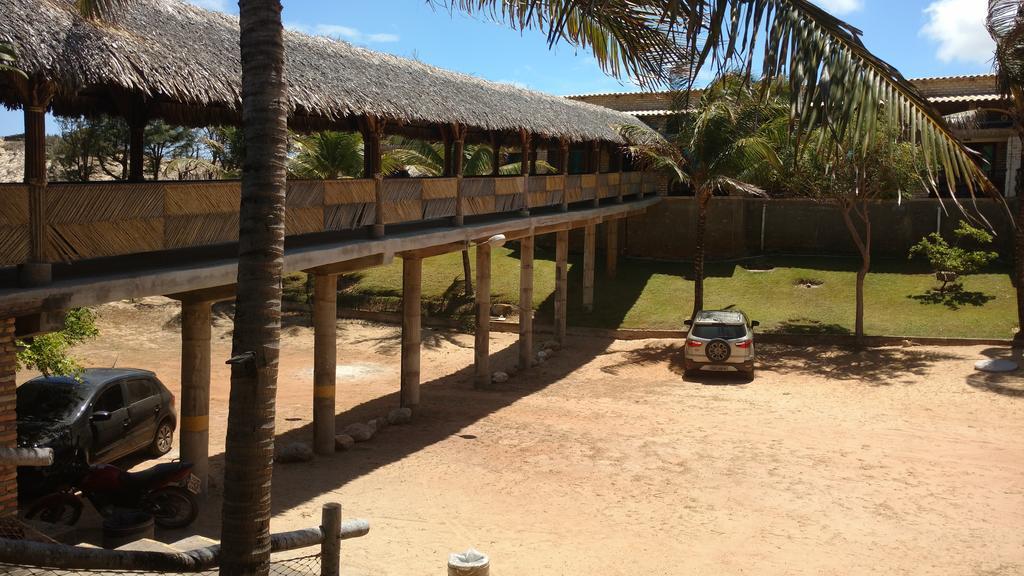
x,y
840,6
216,5
958,26
343,32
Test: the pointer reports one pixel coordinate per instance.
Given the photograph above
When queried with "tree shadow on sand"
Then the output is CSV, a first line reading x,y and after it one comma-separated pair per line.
x,y
1010,384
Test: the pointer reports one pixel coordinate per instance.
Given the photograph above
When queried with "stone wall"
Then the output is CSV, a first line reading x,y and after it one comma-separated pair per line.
x,y
8,424
741,227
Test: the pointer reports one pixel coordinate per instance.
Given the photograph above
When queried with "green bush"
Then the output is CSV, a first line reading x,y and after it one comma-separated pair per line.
x,y
944,257
48,353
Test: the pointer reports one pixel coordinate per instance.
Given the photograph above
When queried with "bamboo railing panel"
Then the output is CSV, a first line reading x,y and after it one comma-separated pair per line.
x,y
101,219
14,241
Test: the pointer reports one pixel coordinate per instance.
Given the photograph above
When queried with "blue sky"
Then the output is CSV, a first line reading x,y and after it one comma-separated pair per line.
x,y
919,37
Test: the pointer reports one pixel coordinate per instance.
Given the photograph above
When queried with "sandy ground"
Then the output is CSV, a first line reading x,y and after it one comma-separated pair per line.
x,y
606,461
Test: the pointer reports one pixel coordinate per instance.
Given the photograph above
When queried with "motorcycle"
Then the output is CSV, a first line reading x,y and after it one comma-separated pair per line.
x,y
167,491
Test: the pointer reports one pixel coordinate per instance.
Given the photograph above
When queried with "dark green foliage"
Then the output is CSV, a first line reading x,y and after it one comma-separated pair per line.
x,y
954,258
49,353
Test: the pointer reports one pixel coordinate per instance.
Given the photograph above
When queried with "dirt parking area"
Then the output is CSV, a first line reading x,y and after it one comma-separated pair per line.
x,y
604,460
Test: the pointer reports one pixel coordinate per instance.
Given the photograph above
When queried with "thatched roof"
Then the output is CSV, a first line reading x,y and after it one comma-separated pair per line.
x,y
185,61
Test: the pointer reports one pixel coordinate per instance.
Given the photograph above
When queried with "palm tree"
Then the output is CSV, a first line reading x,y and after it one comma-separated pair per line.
x,y
721,146
645,39
328,155
1006,26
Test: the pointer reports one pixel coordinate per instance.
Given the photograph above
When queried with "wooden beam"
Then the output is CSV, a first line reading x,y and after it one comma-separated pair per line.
x,y
524,169
215,294
552,228
37,95
353,265
611,248
589,249
434,250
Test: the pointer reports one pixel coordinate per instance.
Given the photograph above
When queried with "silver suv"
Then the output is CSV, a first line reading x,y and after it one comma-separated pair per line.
x,y
720,341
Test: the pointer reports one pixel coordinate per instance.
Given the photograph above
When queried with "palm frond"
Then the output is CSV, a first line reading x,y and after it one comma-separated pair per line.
x,y
1005,24
8,57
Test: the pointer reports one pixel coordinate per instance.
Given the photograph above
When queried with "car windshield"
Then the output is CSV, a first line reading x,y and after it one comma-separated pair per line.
x,y
724,331
44,401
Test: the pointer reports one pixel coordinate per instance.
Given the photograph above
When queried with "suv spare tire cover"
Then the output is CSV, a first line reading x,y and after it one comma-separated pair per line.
x,y
717,350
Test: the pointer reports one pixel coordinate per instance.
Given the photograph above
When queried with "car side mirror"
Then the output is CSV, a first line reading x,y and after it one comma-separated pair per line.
x,y
755,324
101,416
688,322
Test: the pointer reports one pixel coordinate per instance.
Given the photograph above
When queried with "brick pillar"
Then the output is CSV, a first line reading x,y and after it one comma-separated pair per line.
x,y
8,419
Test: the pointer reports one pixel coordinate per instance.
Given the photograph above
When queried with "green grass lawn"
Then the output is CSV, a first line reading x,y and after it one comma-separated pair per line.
x,y
659,294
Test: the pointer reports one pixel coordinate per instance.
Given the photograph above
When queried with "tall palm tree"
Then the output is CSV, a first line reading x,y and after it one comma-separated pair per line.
x,y
1006,26
721,146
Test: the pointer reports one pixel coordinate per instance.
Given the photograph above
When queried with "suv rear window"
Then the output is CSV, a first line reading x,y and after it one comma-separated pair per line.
x,y
723,331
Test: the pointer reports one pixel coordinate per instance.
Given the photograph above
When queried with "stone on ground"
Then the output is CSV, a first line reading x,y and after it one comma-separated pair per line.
x,y
995,365
499,377
359,432
343,442
294,452
400,416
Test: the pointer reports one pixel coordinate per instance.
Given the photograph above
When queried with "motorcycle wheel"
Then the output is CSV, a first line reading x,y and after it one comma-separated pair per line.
x,y
64,510
172,507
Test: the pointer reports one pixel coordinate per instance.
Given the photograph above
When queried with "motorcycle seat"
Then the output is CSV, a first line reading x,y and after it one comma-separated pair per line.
x,y
148,476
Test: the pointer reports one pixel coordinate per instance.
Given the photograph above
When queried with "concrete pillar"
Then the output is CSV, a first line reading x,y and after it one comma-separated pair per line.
x,y
412,275
8,417
525,302
589,248
325,360
481,350
194,428
561,284
612,248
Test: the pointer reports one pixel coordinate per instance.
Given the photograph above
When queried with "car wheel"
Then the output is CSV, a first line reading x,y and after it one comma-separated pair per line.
x,y
164,439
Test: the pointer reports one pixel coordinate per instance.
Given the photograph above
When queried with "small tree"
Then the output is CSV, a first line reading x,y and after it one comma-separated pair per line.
x,y
950,262
48,353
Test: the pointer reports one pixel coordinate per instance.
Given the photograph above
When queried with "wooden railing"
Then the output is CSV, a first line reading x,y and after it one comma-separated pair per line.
x,y
101,219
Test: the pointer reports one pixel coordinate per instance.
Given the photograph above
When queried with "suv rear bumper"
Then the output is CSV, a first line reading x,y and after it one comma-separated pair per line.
x,y
694,365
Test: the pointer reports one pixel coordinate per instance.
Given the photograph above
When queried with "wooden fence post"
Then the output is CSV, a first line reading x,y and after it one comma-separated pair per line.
x,y
330,548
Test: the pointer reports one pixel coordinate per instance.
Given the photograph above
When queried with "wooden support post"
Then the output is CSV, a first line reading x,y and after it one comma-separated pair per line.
x,y
412,275
561,284
194,427
496,150
136,144
459,133
526,302
563,151
622,162
330,547
589,248
524,169
481,351
595,167
372,129
611,248
37,271
325,360
447,166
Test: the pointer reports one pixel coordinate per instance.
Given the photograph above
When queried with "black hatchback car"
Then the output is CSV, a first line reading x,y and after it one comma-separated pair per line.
x,y
104,415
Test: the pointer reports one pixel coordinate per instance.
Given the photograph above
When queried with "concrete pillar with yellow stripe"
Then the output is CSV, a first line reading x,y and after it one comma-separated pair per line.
x,y
194,418
325,360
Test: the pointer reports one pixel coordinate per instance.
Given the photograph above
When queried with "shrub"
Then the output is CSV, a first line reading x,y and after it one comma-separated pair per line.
x,y
952,261
48,353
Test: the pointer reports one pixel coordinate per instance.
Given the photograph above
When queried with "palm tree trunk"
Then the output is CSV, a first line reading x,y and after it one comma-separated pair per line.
x,y
467,273
1018,237
698,258
249,449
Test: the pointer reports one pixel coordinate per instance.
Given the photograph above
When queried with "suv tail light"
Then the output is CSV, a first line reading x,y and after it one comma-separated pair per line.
x,y
744,344
694,344
174,399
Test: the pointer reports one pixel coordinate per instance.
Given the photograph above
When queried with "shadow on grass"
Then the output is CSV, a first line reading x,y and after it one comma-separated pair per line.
x,y
953,297
809,327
